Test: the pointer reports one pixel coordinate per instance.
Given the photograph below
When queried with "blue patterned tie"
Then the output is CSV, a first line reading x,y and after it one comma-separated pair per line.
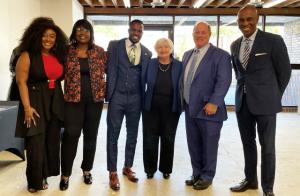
x,y
189,77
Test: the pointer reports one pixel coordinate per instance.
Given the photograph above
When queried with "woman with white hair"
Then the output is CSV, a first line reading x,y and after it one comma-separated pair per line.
x,y
161,109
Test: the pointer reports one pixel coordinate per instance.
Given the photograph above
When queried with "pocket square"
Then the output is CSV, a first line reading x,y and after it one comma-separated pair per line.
x,y
260,54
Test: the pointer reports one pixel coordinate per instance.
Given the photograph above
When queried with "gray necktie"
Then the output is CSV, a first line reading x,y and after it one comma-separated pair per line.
x,y
190,75
246,53
131,54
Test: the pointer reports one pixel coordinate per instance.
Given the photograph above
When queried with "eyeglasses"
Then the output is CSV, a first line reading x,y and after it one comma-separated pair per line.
x,y
80,29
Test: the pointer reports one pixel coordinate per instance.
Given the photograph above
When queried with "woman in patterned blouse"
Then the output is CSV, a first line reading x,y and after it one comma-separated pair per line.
x,y
84,95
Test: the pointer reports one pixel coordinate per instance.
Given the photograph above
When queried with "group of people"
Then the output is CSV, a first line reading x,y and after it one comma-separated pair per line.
x,y
159,88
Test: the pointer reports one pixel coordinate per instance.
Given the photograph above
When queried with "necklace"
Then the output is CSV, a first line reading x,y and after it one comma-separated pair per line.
x,y
164,67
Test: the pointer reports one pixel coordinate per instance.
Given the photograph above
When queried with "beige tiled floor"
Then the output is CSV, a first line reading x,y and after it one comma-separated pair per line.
x,y
229,170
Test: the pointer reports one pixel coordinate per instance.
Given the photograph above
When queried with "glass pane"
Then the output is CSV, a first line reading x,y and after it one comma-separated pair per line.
x,y
149,38
292,91
229,32
107,28
183,32
154,20
289,28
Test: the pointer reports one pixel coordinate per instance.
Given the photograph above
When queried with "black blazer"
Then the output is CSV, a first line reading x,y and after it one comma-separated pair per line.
x,y
267,74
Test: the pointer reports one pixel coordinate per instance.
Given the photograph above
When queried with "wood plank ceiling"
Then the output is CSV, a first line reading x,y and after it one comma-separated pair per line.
x,y
188,3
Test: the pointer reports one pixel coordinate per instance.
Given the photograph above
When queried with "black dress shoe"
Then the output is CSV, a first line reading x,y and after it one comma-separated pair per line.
x,y
166,176
269,193
244,185
201,184
150,175
192,180
64,184
87,178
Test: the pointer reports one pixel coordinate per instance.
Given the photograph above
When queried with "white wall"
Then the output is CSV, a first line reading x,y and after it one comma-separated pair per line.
x,y
77,11
64,12
60,11
15,15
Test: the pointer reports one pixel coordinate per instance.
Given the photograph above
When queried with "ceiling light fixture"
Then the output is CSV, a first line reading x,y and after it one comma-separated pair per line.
x,y
199,3
272,3
157,3
127,3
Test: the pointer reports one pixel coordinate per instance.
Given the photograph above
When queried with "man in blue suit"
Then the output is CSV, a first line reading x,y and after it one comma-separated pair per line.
x,y
262,67
127,64
206,80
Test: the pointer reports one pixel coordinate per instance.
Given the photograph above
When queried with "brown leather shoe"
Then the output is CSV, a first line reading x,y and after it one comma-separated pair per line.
x,y
130,174
114,181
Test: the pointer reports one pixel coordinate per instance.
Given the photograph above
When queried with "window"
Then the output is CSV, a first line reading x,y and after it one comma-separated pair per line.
x,y
183,39
228,33
289,28
107,28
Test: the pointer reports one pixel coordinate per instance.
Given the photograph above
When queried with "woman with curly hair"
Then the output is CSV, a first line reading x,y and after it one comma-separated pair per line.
x,y
84,95
39,71
13,92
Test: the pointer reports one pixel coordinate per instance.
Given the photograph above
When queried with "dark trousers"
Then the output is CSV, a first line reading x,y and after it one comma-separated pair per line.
x,y
128,105
80,116
42,153
266,126
159,123
203,141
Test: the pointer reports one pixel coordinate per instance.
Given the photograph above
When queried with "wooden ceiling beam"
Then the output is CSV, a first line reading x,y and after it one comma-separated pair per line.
x,y
180,3
244,3
89,2
141,3
115,3
221,2
186,11
102,3
167,3
233,3
294,5
207,3
288,2
197,3
272,3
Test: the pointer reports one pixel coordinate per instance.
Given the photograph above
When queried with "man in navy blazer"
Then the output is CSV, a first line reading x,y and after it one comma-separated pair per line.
x,y
127,64
262,67
206,80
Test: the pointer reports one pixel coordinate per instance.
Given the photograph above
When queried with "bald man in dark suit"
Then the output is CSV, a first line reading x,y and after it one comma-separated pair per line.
x,y
262,67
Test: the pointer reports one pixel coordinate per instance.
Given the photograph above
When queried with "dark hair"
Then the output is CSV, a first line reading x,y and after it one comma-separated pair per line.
x,y
31,40
136,21
87,25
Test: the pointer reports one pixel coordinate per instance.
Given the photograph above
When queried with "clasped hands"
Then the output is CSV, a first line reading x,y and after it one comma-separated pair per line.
x,y
30,112
210,109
